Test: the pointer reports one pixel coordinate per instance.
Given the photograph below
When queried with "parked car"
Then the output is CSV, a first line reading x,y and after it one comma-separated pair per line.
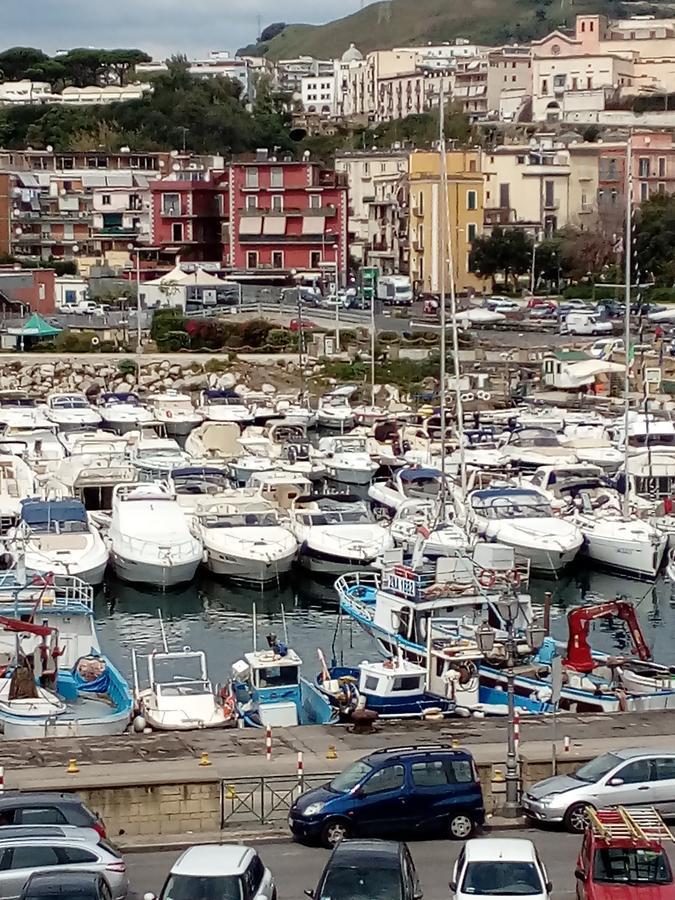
x,y
71,884
47,808
536,302
604,347
431,788
302,325
363,870
568,306
585,323
611,308
226,871
623,777
37,848
622,855
502,304
493,867
544,311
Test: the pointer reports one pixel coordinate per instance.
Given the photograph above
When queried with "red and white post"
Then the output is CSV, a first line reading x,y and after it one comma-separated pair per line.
x,y
268,742
2,779
567,744
301,772
516,733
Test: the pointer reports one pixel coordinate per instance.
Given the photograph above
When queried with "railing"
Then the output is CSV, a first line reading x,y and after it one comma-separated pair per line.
x,y
68,593
264,800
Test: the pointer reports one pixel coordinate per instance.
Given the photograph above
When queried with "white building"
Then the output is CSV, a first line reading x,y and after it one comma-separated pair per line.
x,y
218,64
95,94
20,93
318,93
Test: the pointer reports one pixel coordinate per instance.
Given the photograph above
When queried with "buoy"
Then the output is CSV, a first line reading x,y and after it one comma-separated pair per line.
x,y
73,768
331,753
204,759
139,724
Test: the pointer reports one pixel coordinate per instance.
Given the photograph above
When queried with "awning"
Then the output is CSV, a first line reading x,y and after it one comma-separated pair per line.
x,y
250,225
274,225
36,326
313,224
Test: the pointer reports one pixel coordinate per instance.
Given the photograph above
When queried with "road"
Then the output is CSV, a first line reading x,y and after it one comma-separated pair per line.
x,y
297,868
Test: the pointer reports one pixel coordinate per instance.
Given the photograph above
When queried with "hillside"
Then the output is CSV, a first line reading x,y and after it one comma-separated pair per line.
x,y
393,23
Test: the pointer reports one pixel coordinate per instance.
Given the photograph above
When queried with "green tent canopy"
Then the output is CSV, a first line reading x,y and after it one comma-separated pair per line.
x,y
36,327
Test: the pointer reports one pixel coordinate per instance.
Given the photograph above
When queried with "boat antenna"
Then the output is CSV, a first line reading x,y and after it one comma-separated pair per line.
x,y
627,255
162,630
283,622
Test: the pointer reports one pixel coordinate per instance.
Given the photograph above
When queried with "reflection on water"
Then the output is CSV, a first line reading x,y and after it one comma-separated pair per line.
x,y
216,617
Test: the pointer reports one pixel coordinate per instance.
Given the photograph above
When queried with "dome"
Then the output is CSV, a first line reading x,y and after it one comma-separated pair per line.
x,y
353,54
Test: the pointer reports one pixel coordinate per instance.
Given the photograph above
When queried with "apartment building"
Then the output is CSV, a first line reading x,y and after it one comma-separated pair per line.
x,y
318,94
471,87
218,64
465,204
509,70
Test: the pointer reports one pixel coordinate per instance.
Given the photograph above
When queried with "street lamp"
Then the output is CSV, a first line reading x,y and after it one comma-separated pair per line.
x,y
485,639
133,249
337,301
301,334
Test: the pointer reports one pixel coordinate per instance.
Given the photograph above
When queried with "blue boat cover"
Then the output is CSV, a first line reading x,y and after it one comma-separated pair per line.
x,y
39,512
419,474
196,470
213,394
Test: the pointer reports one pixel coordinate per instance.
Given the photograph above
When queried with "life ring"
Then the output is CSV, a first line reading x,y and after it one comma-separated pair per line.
x,y
95,342
482,395
169,414
227,702
487,578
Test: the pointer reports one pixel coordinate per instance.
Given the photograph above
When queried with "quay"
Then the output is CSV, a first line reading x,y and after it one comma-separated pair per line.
x,y
150,787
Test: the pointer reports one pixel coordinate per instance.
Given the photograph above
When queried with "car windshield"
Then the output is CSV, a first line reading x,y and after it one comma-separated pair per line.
x,y
500,878
347,780
361,883
196,887
631,865
597,768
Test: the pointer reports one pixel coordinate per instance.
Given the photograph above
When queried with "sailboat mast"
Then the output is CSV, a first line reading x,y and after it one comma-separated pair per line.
x,y
628,261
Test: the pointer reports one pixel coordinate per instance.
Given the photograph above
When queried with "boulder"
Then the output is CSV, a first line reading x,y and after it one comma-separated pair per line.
x,y
46,370
228,379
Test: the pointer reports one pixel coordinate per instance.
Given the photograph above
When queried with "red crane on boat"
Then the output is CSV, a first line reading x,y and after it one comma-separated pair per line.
x,y
579,656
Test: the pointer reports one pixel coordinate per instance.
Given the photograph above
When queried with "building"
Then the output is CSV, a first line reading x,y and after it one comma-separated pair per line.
x,y
288,73
509,71
28,289
97,94
5,213
218,64
465,199
471,86
318,94
21,93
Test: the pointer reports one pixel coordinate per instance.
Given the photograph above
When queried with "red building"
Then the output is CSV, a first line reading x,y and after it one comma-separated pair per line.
x,y
31,288
257,216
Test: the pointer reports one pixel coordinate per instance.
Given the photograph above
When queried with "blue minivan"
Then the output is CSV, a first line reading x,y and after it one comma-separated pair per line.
x,y
430,788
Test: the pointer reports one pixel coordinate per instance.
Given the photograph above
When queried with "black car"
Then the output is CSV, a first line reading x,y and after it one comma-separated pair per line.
x,y
47,808
66,885
369,870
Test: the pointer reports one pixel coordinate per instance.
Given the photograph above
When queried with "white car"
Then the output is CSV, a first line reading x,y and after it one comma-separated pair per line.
x,y
499,867
218,870
603,348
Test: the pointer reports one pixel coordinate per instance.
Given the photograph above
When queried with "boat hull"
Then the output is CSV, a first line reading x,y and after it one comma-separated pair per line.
x,y
249,571
349,476
638,558
156,574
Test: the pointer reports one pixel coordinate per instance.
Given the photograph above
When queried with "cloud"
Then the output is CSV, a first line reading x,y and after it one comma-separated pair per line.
x,y
161,27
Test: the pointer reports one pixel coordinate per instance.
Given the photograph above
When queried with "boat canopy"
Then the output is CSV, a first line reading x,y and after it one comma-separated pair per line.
x,y
420,474
120,397
41,512
197,472
222,393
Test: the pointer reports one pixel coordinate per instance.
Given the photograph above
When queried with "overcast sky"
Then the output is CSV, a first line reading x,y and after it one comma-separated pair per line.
x,y
161,27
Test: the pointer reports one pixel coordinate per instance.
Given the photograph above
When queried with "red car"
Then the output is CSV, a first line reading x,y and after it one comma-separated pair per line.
x,y
622,856
302,325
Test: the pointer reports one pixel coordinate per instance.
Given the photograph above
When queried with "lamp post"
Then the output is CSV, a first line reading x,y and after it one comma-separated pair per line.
x,y
485,639
337,300
133,249
301,335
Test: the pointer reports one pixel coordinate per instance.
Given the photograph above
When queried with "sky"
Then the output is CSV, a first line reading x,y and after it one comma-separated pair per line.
x,y
161,27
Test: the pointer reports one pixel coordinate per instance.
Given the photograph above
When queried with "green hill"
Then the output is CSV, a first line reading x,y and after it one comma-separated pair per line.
x,y
393,23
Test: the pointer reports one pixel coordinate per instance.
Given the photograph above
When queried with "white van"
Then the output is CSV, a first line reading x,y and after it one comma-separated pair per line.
x,y
395,290
585,323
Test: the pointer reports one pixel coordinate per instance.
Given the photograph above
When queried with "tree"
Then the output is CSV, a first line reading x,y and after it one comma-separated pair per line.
x,y
585,251
271,31
15,62
504,250
124,61
84,66
655,239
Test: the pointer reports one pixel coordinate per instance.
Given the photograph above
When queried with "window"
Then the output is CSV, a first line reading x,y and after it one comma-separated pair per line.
x,y
315,201
504,198
406,683
170,204
251,177
643,167
429,774
662,167
472,165
177,231
661,187
252,202
549,191
277,203
575,83
106,200
635,772
366,168
34,857
371,683
664,768
314,259
471,200
47,815
252,877
276,177
71,855
559,81
544,86
252,259
277,259
589,83
420,268
388,779
644,190
471,232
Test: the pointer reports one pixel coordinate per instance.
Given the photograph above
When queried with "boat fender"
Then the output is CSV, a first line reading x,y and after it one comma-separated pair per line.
x,y
169,414
467,398
487,578
467,672
139,724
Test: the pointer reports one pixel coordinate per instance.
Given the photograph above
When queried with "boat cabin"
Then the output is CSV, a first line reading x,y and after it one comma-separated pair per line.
x,y
280,488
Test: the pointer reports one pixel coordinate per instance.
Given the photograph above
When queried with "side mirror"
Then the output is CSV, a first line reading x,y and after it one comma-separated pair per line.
x,y
309,893
453,886
580,874
615,782
549,887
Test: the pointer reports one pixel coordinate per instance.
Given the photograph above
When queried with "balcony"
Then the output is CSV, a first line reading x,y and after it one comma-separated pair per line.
x,y
418,246
117,231
286,239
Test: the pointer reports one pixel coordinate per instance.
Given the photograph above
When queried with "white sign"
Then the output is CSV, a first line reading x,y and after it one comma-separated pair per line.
x,y
653,376
399,584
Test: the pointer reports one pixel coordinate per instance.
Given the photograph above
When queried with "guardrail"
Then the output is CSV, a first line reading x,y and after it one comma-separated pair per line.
x,y
260,309
265,799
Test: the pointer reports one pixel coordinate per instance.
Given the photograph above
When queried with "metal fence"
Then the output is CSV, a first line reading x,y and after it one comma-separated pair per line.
x,y
265,800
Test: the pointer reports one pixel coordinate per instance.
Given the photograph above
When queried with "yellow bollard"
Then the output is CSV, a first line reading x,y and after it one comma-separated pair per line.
x,y
204,760
73,768
455,743
231,792
331,752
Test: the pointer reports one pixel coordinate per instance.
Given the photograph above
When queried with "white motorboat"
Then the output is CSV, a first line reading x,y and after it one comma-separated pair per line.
x,y
17,482
58,538
245,541
298,457
405,483
154,458
94,442
336,533
224,406
179,695
122,412
644,430
197,487
596,451
40,448
369,415
18,410
279,487
347,459
295,412
334,410
262,407
522,518
528,448
150,541
174,411
214,440
71,410
418,524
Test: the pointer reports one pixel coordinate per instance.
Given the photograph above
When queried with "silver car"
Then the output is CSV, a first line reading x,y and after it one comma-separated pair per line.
x,y
40,848
228,871
636,777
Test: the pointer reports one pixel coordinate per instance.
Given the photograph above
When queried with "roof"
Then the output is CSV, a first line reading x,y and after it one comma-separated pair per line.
x,y
637,752
36,326
214,860
417,474
493,849
572,355
64,883
31,798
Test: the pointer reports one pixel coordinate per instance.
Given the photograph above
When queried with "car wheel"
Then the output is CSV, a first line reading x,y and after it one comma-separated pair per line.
x,y
461,827
333,832
576,818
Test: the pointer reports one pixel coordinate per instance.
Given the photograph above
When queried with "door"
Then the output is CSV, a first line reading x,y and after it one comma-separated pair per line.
x,y
441,787
662,794
380,803
635,789
19,864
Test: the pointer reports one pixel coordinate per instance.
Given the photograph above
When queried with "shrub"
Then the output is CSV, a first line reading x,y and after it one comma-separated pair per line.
x,y
74,341
126,367
164,322
254,332
389,337
216,366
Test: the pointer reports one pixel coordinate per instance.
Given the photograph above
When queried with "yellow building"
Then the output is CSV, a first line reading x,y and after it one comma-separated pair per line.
x,y
465,215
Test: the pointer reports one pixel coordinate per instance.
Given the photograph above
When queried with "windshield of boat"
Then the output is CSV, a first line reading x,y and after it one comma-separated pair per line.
x,y
423,487
9,402
356,516
178,670
351,445
160,453
197,887
53,527
511,505
69,402
352,775
500,878
202,483
652,439
534,437
241,520
224,401
125,399
631,865
597,768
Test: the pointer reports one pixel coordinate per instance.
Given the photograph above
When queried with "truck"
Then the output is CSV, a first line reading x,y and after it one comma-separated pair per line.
x,y
395,290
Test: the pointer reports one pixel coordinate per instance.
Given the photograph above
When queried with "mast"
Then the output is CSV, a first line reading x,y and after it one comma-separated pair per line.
x,y
628,259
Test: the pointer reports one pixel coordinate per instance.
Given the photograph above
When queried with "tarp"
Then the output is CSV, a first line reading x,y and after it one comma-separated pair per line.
x,y
38,512
36,326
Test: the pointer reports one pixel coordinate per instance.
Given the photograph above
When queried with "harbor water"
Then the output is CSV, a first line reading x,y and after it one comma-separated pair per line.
x,y
216,617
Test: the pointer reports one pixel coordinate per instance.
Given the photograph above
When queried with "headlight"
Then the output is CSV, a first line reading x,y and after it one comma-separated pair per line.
x,y
313,809
549,801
